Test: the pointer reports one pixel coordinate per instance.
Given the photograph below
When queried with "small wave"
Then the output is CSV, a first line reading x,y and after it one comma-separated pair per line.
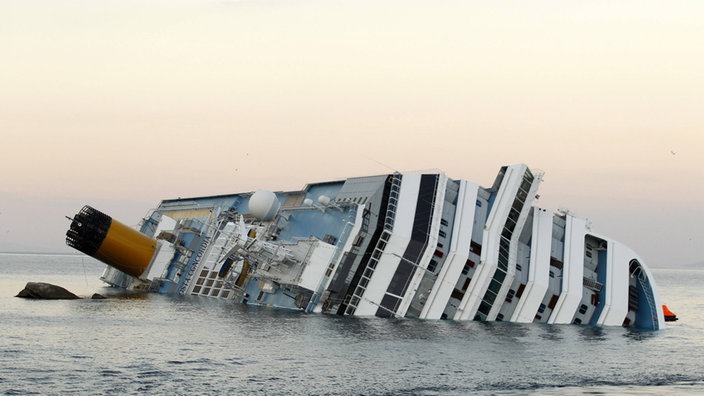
x,y
110,373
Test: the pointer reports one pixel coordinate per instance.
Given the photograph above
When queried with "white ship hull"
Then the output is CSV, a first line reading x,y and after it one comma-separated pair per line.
x,y
412,244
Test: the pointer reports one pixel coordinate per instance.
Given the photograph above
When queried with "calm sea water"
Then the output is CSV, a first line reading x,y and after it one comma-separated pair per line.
x,y
153,344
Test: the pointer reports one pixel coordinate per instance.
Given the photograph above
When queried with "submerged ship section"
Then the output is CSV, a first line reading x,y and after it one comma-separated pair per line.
x,y
411,244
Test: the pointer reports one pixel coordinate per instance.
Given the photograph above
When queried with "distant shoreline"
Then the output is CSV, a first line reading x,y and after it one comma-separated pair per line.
x,y
42,253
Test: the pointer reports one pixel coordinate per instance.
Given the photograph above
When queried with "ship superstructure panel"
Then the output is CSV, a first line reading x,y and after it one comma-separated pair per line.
x,y
406,244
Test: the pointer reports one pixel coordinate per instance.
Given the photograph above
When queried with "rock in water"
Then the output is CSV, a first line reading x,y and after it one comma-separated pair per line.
x,y
97,296
45,291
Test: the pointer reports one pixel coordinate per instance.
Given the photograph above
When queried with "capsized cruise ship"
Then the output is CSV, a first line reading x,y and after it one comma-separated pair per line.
x,y
407,244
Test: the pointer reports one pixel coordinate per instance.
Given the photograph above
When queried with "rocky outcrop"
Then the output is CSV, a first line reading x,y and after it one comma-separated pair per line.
x,y
45,291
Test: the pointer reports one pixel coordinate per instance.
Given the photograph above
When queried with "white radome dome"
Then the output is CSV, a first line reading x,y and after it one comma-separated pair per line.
x,y
264,205
324,200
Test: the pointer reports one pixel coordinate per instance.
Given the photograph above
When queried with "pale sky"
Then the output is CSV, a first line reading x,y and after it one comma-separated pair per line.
x,y
120,104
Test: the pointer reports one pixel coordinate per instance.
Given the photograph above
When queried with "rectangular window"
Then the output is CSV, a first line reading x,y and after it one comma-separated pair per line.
x,y
466,284
553,301
494,286
556,263
432,265
475,248
595,299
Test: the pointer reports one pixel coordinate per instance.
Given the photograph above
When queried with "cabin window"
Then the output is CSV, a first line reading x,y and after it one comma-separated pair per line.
x,y
466,284
555,263
475,248
444,222
583,309
479,203
553,301
442,234
494,286
542,308
358,241
432,265
439,253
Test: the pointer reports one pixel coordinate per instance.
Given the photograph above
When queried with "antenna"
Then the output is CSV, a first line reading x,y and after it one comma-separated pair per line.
x,y
382,164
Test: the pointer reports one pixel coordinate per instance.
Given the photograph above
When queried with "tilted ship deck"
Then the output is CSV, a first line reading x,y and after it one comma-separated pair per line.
x,y
410,244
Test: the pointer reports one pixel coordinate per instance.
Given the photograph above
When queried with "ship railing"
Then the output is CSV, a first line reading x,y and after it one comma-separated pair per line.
x,y
368,272
648,291
592,284
393,201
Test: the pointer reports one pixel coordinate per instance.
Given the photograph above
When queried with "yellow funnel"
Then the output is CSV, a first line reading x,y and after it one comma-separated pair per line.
x,y
98,235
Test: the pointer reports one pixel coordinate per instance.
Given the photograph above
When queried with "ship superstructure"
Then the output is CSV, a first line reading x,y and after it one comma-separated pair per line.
x,y
406,244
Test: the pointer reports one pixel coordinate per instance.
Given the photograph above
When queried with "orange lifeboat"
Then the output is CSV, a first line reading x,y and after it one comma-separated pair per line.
x,y
669,315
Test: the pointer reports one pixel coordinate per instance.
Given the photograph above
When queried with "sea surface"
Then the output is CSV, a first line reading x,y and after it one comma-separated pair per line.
x,y
154,344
